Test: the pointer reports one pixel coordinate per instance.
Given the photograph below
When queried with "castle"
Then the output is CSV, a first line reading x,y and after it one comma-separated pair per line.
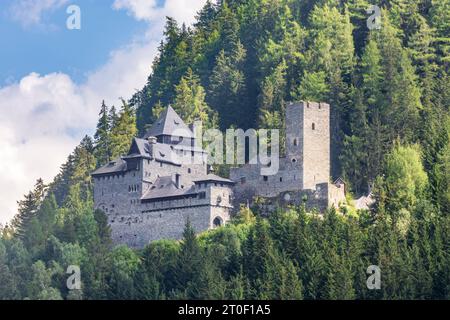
x,y
304,172
151,192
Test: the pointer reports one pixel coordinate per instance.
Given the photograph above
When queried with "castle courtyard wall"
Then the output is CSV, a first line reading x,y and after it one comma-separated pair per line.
x,y
138,230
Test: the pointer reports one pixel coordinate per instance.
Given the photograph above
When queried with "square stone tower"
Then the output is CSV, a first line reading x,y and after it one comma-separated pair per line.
x,y
308,141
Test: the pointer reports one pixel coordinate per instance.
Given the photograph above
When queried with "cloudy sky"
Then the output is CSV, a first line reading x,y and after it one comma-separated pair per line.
x,y
52,80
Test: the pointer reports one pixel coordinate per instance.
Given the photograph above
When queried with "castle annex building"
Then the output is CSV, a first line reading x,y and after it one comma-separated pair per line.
x,y
150,193
304,172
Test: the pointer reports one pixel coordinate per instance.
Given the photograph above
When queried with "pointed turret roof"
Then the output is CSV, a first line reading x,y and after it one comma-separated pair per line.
x,y
169,123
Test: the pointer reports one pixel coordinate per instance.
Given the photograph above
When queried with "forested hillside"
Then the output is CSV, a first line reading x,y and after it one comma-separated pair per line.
x,y
239,64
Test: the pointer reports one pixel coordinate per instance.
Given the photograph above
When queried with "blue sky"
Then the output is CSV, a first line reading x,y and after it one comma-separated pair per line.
x,y
51,47
53,80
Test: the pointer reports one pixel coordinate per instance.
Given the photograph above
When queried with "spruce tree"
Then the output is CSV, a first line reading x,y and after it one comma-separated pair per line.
x,y
123,131
102,136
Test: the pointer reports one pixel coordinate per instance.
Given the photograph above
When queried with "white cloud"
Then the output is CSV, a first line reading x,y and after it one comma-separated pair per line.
x,y
149,10
43,117
29,12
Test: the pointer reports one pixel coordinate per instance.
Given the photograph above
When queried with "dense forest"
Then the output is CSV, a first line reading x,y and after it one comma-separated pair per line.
x,y
237,66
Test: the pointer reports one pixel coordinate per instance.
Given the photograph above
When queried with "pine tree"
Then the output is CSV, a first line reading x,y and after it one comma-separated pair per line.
x,y
28,208
189,262
227,89
123,131
190,102
372,78
439,17
354,156
313,87
102,136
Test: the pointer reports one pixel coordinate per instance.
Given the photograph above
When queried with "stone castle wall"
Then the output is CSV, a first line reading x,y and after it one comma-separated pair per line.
x,y
137,223
306,167
325,196
316,144
138,230
118,192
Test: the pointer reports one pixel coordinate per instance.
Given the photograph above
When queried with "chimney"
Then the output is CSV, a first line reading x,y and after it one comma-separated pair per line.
x,y
152,141
176,179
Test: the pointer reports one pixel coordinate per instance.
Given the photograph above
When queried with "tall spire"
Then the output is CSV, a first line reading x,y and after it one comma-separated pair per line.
x,y
169,123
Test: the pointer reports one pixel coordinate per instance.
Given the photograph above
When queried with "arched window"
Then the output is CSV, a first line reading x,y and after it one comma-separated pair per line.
x,y
217,222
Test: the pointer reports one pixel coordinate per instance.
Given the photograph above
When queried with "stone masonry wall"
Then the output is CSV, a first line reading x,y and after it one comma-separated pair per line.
x,y
316,144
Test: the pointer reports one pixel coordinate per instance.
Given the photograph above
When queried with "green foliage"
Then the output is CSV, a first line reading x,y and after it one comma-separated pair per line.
x,y
123,131
238,66
190,102
405,178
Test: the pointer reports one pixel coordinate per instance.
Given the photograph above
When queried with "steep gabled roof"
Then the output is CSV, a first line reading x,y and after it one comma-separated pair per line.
x,y
161,152
138,147
165,188
169,123
113,167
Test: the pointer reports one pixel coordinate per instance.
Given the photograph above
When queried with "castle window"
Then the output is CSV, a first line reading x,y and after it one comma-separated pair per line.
x,y
266,178
217,222
189,170
294,160
243,180
314,126
281,179
295,142
202,195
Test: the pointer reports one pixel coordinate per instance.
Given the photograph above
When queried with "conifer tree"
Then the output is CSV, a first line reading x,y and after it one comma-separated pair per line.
x,y
123,131
189,262
28,208
190,102
102,136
